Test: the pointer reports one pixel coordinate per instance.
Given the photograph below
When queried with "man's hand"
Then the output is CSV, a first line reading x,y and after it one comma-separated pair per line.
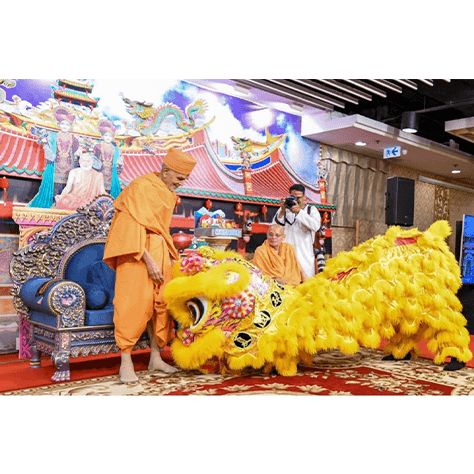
x,y
295,209
155,273
281,212
153,268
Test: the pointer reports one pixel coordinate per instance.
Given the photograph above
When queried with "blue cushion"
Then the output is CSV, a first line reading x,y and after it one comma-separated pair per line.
x,y
103,276
77,267
96,297
100,316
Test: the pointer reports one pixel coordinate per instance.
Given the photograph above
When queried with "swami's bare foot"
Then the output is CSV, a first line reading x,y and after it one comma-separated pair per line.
x,y
127,372
157,363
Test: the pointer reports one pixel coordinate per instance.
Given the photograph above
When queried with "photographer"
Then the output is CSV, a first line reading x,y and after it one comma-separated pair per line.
x,y
301,222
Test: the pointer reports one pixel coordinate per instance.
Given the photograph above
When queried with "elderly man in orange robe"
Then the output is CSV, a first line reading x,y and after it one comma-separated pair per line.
x,y
140,249
278,259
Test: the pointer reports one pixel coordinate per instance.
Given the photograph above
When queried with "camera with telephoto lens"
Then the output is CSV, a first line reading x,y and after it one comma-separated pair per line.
x,y
290,202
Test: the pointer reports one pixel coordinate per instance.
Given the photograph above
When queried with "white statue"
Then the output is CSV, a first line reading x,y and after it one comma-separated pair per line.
x,y
83,185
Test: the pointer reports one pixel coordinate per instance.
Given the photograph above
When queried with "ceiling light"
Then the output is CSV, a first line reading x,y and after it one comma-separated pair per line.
x,y
455,170
345,88
409,122
408,83
360,143
387,84
302,90
262,85
367,87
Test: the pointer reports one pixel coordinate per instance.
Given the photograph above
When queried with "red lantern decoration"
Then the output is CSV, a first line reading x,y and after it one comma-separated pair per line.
x,y
4,183
178,202
208,204
238,209
6,209
181,240
264,211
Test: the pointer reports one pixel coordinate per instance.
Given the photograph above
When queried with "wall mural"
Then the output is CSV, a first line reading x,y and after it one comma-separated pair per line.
x,y
100,134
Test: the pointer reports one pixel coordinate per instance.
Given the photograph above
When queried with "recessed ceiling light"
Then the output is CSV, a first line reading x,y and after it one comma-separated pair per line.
x,y
360,143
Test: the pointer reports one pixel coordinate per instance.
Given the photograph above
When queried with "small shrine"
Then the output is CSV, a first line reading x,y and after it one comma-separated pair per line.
x,y
74,92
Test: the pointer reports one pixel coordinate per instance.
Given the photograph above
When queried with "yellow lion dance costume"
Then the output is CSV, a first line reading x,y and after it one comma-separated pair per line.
x,y
401,287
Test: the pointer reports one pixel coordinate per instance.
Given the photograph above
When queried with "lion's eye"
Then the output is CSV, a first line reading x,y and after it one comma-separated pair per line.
x,y
197,309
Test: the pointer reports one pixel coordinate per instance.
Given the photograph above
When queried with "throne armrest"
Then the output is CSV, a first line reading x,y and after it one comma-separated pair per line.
x,y
63,299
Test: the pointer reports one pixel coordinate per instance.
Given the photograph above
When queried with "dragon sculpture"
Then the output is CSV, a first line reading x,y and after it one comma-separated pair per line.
x,y
246,146
400,287
149,118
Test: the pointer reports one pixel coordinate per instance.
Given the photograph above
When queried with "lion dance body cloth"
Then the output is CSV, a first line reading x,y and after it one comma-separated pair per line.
x,y
400,287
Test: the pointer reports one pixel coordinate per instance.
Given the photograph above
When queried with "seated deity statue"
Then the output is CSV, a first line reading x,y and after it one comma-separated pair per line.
x,y
83,185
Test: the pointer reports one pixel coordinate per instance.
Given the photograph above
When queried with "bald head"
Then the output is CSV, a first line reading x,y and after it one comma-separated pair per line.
x,y
275,236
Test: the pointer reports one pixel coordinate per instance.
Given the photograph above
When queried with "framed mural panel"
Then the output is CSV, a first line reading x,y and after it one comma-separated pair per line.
x,y
128,125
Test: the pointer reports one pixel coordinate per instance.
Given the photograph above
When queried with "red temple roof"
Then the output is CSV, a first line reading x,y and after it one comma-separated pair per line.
x,y
210,179
20,155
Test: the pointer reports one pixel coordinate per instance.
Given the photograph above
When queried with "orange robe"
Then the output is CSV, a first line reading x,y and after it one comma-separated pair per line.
x,y
143,212
282,264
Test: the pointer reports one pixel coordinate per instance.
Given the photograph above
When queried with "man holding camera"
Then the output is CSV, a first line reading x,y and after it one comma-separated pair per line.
x,y
301,222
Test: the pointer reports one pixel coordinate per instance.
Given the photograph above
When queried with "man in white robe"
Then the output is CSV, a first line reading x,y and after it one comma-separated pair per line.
x,y
301,222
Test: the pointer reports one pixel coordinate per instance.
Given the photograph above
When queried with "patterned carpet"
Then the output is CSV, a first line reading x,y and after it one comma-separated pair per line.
x,y
332,373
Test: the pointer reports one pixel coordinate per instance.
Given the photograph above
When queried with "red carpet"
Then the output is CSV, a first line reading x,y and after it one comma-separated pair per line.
x,y
364,380
331,373
16,374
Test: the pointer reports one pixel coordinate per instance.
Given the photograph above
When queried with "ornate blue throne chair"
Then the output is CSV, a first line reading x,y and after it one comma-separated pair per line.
x,y
64,288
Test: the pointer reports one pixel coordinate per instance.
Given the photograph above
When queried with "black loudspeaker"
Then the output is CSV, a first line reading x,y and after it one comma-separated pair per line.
x,y
400,201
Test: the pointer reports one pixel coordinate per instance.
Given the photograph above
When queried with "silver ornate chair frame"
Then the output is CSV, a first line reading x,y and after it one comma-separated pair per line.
x,y
61,329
